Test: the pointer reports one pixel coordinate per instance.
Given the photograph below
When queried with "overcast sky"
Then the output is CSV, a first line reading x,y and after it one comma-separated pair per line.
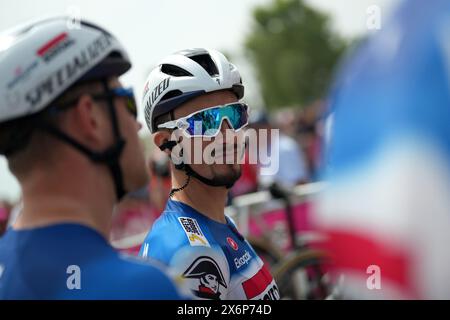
x,y
151,29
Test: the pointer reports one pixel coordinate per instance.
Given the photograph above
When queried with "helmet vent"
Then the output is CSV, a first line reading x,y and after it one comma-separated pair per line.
x,y
171,94
207,63
175,71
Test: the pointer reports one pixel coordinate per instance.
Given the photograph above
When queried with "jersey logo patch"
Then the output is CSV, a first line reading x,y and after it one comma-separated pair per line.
x,y
209,275
193,232
232,243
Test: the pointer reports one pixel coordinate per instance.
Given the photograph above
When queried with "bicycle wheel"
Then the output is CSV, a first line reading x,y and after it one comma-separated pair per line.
x,y
301,276
265,251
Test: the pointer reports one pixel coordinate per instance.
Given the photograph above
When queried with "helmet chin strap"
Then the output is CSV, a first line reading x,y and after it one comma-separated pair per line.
x,y
191,172
210,182
109,157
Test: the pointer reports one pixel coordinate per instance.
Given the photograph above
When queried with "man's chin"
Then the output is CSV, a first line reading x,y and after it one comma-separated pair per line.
x,y
227,174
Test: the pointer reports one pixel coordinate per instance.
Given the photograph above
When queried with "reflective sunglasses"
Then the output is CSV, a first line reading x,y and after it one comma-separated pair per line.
x,y
208,122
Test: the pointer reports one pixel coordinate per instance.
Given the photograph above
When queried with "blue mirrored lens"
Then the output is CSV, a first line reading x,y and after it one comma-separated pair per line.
x,y
208,122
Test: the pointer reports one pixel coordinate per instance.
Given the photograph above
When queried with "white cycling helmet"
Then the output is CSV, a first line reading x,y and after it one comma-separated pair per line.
x,y
40,60
185,75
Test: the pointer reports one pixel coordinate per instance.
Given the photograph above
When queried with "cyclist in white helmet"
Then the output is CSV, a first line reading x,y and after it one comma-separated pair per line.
x,y
68,129
196,94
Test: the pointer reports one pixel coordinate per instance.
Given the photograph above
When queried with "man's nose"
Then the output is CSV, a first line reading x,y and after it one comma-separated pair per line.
x,y
223,130
225,125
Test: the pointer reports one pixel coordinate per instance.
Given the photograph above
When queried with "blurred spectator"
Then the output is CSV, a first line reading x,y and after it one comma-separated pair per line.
x,y
292,167
287,121
308,134
133,215
137,211
5,209
248,182
160,183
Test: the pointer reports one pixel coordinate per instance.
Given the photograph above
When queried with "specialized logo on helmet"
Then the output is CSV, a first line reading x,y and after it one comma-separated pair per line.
x,y
78,64
209,275
55,46
158,91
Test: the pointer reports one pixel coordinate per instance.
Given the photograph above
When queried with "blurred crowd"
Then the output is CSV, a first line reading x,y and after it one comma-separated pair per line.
x,y
300,135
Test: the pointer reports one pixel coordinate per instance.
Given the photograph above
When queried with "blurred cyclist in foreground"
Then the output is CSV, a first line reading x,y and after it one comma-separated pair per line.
x,y
68,129
387,208
195,94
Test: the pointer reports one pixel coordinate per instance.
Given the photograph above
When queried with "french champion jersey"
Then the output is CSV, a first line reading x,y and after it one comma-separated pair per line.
x,y
70,261
212,258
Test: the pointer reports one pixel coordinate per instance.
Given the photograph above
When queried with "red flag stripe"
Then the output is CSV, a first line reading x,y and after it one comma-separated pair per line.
x,y
351,251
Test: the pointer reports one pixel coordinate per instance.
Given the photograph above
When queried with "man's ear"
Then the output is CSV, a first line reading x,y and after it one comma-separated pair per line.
x,y
161,137
90,122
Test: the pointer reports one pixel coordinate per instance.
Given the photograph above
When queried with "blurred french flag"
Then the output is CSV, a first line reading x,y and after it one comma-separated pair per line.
x,y
387,159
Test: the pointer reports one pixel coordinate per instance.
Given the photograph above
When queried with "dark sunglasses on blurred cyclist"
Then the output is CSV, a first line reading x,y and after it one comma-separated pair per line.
x,y
126,93
208,122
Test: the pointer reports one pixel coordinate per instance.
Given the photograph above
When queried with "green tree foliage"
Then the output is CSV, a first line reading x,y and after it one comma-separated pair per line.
x,y
293,51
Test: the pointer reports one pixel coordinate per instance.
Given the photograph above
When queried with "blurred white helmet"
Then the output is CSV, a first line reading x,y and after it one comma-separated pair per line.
x,y
40,60
185,75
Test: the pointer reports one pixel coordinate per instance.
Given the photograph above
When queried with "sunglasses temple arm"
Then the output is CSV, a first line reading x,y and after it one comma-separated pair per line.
x,y
168,125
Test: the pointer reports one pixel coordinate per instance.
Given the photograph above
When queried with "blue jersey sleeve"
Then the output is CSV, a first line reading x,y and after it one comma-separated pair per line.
x,y
149,280
80,265
164,240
